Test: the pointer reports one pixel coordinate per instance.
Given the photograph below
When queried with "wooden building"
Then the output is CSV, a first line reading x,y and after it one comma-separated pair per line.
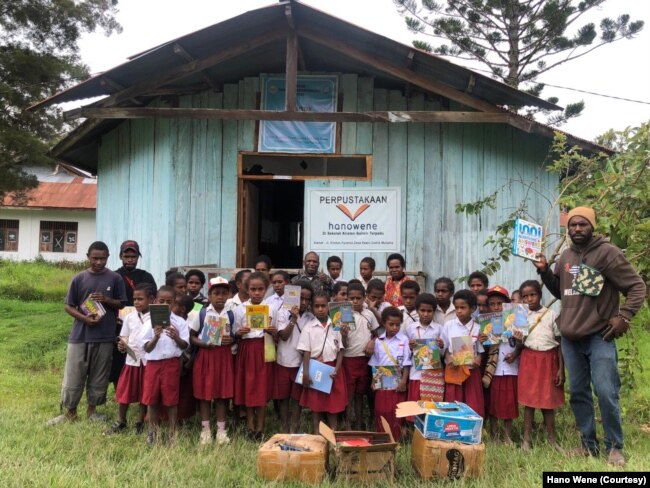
x,y
176,145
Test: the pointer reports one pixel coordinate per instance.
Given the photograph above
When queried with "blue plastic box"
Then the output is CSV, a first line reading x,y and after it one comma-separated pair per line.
x,y
444,421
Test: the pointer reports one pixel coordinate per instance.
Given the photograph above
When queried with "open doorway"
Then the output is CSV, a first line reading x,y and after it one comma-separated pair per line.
x,y
271,222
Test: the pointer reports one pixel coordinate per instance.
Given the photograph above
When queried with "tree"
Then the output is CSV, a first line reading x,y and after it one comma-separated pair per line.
x,y
39,56
517,40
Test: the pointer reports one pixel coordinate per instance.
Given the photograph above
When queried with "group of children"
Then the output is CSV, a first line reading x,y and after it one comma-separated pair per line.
x,y
172,366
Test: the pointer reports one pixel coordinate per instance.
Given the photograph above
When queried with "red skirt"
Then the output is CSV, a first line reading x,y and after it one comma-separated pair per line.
x,y
357,374
503,397
285,384
252,374
385,403
213,374
470,392
334,402
537,373
129,385
161,383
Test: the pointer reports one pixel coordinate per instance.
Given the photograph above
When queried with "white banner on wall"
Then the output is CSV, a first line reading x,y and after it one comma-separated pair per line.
x,y
353,219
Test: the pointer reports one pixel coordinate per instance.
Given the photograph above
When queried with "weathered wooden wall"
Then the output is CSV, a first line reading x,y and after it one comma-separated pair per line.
x,y
172,184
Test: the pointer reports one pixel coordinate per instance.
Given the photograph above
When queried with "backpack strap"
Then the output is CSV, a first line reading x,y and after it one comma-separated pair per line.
x,y
202,313
231,319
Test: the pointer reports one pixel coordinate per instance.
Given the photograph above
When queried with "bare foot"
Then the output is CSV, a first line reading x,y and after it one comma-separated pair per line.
x,y
525,446
508,441
557,447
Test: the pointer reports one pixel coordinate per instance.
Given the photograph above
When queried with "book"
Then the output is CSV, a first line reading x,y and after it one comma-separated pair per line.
x,y
291,297
160,315
319,374
130,351
257,316
214,328
462,350
426,355
515,316
92,307
122,314
527,239
491,324
340,314
386,377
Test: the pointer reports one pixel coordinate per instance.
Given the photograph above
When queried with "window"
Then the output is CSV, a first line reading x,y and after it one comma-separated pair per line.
x,y
305,166
8,235
58,236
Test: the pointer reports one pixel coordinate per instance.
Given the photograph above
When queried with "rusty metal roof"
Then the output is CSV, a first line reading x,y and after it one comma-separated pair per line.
x,y
79,194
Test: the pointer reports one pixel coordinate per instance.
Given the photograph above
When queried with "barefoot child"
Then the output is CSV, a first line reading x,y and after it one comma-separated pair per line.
x,y
541,365
410,291
129,385
163,349
213,373
391,349
319,341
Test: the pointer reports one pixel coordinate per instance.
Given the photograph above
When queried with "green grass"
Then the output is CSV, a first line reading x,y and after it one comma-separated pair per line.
x,y
36,280
32,352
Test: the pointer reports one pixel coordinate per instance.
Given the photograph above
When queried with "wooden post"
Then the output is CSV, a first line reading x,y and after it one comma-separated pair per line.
x,y
291,75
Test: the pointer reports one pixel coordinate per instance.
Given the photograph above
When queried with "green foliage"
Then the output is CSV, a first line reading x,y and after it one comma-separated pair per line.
x,y
39,57
37,280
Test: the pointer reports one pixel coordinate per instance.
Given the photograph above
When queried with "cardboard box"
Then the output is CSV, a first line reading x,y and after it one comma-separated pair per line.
x,y
308,465
446,459
445,421
362,456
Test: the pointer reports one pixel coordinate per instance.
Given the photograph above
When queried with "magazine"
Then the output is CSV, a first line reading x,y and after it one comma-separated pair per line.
x,y
462,350
214,328
491,325
386,377
426,355
515,316
160,315
319,374
291,297
257,316
340,314
527,239
92,307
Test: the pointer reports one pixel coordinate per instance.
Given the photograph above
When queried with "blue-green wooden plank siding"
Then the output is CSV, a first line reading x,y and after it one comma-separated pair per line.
x,y
172,184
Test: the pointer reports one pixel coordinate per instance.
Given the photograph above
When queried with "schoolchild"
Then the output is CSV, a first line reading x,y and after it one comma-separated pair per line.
x,y
334,268
482,302
375,291
410,292
478,281
366,269
177,281
195,282
279,279
444,289
340,291
241,281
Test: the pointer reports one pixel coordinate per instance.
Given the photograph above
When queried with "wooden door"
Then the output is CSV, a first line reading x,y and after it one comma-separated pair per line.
x,y
248,223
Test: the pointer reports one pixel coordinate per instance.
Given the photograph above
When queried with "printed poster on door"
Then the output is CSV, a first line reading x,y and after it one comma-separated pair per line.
x,y
353,219
313,94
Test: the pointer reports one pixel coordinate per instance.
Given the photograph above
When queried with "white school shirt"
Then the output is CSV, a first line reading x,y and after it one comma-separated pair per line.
x,y
315,338
408,318
398,346
418,331
542,337
240,321
454,328
441,317
194,321
133,328
234,302
166,347
364,282
275,301
288,354
503,368
358,339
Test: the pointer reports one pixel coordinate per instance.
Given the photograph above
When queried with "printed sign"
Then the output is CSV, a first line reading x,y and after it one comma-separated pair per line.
x,y
313,94
353,219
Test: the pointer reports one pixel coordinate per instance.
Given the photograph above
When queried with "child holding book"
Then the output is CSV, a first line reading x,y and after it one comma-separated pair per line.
x,y
129,385
391,350
541,365
425,384
253,375
463,354
320,342
213,373
410,291
355,361
366,268
163,349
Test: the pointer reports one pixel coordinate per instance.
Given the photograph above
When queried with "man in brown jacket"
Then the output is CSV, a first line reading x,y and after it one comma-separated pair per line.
x,y
588,278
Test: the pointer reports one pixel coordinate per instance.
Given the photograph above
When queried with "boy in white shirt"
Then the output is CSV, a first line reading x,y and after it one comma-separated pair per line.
x,y
410,290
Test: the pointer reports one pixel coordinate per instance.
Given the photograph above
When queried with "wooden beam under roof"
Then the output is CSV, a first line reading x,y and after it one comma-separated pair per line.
x,y
180,51
291,72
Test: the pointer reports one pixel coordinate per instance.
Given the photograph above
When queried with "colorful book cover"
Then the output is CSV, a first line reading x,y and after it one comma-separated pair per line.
x,y
386,377
92,307
341,313
462,350
527,239
426,355
515,316
257,316
124,312
291,297
491,324
160,315
319,374
214,328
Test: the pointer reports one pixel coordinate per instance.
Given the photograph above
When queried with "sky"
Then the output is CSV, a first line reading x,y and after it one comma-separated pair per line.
x,y
621,69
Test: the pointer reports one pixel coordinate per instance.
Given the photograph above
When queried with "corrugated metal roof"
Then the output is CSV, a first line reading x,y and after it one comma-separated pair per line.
x,y
79,194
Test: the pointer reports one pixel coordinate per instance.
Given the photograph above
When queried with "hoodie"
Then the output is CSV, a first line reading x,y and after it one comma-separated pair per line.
x,y
584,315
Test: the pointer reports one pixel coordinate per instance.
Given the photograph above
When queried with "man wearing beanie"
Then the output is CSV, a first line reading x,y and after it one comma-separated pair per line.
x,y
588,278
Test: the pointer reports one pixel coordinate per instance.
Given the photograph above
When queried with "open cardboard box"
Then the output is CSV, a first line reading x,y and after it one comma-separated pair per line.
x,y
446,459
308,463
362,456
444,421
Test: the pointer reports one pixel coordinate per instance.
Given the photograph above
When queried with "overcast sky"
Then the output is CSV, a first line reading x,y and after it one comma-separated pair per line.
x,y
621,69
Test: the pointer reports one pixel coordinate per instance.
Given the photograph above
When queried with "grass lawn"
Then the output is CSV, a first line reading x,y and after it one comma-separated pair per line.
x,y
32,352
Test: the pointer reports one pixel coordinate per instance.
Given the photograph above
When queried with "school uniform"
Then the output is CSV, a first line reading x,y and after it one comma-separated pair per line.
x,y
471,391
408,318
163,372
129,384
213,375
441,316
289,358
502,398
364,282
393,351
433,386
540,363
355,361
323,344
274,301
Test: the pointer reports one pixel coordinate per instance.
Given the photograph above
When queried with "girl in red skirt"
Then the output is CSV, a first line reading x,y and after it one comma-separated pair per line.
x,y
213,373
542,365
391,349
319,341
468,387
253,375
